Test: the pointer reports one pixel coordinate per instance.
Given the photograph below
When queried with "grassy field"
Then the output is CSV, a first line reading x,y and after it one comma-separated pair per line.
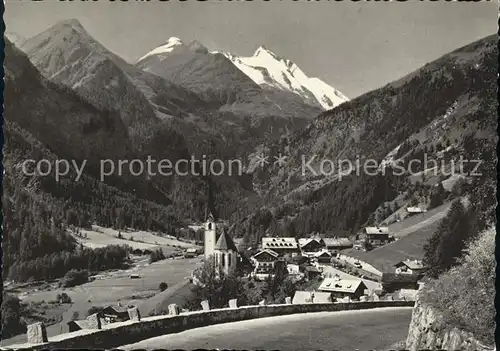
x,y
101,237
158,304
412,234
109,288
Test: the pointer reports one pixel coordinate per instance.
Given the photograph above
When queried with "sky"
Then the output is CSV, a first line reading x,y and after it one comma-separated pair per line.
x,y
353,46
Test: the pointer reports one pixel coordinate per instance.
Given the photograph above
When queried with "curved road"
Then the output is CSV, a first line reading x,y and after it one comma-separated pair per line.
x,y
375,329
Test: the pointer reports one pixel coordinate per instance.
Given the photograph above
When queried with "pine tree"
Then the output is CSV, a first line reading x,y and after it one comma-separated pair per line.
x,y
445,246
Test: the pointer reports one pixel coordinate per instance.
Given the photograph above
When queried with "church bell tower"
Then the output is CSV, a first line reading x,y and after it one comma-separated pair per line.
x,y
210,236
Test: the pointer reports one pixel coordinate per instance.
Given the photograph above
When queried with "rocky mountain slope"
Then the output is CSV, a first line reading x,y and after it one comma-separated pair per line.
x,y
271,71
67,54
58,117
205,107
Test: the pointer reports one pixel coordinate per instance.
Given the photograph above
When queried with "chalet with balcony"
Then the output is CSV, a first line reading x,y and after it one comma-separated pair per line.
x,y
377,236
415,267
310,246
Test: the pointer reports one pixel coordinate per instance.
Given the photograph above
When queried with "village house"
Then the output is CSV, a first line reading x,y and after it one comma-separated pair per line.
x,y
359,245
311,272
301,297
112,314
337,244
377,236
410,267
340,288
264,261
323,256
310,246
284,247
411,211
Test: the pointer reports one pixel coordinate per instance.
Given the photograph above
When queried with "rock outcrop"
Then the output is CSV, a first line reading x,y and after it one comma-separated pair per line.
x,y
429,331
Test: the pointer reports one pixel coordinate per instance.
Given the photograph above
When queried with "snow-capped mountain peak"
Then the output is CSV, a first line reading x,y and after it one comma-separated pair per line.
x,y
263,51
270,70
169,46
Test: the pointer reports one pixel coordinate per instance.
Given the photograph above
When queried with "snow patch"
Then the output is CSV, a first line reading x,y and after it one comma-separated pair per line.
x,y
169,46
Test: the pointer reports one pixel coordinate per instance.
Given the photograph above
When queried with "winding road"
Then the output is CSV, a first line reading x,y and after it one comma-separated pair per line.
x,y
375,329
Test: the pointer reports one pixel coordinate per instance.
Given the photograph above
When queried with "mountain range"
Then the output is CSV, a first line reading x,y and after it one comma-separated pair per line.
x,y
264,68
269,70
70,97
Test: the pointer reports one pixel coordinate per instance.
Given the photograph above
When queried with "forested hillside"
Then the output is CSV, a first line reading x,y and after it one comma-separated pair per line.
x,y
444,110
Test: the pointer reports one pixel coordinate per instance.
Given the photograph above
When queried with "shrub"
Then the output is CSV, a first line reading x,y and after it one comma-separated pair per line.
x,y
465,294
63,298
156,255
163,286
74,277
11,314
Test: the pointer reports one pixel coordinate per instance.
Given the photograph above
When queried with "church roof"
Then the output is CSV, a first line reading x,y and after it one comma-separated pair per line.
x,y
225,242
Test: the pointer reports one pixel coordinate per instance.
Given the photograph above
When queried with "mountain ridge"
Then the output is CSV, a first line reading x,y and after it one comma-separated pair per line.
x,y
264,68
272,71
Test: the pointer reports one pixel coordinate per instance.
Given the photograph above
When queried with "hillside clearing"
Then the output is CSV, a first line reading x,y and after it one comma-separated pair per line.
x,y
412,235
142,240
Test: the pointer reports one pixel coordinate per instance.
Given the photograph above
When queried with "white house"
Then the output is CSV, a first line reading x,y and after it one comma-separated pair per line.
x,y
410,267
284,247
353,288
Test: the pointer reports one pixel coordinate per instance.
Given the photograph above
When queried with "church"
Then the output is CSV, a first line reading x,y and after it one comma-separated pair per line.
x,y
220,246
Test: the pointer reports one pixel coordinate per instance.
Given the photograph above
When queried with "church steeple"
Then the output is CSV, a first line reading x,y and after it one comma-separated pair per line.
x,y
210,236
210,204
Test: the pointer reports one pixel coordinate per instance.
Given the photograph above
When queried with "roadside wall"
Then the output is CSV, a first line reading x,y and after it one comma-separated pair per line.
x,y
119,334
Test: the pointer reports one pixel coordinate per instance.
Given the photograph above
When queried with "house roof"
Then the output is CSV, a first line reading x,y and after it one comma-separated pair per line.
x,y
414,210
399,278
306,241
225,242
377,230
279,243
337,242
270,252
82,324
311,296
116,309
312,269
341,285
322,253
411,264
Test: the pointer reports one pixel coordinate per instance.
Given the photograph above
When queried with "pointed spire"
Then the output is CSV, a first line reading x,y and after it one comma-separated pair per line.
x,y
210,205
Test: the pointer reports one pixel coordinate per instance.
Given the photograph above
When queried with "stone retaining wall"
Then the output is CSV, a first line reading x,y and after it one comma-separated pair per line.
x,y
119,334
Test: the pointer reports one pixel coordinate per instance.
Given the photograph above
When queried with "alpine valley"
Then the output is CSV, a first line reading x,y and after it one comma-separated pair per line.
x,y
67,96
